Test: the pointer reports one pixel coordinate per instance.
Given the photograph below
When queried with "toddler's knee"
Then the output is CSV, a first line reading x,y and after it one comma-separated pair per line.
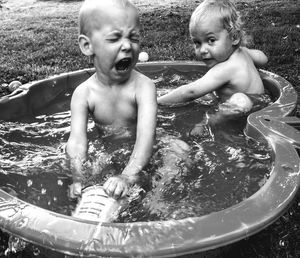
x,y
241,101
179,146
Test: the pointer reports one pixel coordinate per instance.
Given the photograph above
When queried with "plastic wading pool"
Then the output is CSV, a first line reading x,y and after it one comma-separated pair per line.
x,y
274,124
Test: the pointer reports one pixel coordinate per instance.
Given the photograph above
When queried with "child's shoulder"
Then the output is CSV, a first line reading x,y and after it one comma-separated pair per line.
x,y
257,56
141,78
82,89
238,60
240,55
227,68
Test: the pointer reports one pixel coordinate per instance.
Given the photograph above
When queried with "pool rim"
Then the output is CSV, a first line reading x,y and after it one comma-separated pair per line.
x,y
169,238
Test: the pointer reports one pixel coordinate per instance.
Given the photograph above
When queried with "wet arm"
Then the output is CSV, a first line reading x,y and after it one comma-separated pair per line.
x,y
146,125
77,142
210,82
118,186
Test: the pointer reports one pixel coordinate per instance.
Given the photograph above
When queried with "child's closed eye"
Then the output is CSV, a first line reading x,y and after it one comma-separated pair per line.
x,y
112,40
135,38
113,37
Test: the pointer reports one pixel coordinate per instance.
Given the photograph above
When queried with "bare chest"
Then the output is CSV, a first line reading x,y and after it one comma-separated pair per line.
x,y
119,109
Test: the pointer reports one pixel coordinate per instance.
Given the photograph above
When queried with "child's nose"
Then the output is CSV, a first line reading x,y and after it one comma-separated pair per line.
x,y
126,45
203,49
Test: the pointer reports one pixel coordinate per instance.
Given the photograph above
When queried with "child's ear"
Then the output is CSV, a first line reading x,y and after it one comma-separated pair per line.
x,y
235,37
85,45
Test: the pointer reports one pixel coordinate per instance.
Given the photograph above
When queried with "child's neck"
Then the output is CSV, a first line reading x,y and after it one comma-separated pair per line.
x,y
102,81
106,81
235,49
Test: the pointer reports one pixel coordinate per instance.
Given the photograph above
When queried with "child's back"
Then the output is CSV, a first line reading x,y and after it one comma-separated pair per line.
x,y
216,31
239,74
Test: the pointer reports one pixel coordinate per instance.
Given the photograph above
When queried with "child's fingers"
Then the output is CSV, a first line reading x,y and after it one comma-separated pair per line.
x,y
116,187
109,186
120,191
75,190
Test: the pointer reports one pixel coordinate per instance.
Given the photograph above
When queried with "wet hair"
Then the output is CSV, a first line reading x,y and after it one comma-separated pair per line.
x,y
226,12
87,21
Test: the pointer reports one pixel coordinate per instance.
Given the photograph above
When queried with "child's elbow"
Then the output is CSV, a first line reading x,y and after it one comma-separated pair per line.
x,y
261,59
264,60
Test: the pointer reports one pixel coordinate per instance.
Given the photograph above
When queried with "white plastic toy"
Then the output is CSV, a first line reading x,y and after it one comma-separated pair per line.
x,y
96,205
143,57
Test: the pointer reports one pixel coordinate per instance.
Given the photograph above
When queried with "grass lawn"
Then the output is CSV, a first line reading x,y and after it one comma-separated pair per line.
x,y
39,39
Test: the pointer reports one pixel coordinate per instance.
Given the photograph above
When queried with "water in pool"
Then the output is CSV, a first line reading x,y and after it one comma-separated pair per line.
x,y
221,168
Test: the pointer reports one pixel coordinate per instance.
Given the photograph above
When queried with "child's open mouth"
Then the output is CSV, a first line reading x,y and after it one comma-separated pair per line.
x,y
123,65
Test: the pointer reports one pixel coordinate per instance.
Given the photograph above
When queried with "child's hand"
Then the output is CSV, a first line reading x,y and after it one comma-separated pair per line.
x,y
117,186
75,190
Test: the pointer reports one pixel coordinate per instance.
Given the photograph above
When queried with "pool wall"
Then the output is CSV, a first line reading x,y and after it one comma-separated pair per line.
x,y
161,238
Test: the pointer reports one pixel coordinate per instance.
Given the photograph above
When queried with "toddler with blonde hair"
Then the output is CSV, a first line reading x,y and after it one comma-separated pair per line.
x,y
217,33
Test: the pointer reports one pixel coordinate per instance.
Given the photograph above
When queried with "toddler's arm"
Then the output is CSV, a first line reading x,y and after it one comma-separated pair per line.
x,y
258,57
77,143
215,78
117,186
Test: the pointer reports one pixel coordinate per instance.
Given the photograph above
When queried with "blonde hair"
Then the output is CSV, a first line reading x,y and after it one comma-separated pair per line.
x,y
226,12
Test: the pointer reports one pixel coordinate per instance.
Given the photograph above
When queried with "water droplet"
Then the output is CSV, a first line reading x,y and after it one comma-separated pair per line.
x,y
241,165
281,243
36,251
29,182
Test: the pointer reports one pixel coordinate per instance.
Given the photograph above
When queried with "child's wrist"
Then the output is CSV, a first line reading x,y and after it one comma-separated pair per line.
x,y
131,179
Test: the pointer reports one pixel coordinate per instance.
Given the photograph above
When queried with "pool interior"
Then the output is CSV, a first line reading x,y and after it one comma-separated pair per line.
x,y
154,238
223,167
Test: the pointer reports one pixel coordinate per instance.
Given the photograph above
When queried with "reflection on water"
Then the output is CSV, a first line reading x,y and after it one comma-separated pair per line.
x,y
220,168
33,165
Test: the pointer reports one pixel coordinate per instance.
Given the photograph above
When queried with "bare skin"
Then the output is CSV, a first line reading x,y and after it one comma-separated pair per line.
x,y
232,68
116,95
232,72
